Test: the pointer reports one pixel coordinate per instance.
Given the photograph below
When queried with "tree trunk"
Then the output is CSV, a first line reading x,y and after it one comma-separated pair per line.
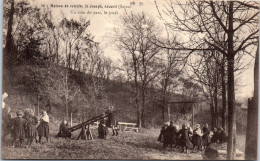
x,y
9,38
69,59
143,105
212,116
66,96
231,146
139,123
139,120
8,55
216,104
163,116
164,102
223,83
57,52
252,116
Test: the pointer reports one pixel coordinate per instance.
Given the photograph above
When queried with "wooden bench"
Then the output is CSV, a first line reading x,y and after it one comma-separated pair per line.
x,y
125,126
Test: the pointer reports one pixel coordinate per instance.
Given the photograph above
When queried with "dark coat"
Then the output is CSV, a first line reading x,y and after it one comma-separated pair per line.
x,y
206,137
110,119
63,132
196,139
215,137
6,119
170,135
6,123
30,130
222,137
43,129
162,133
102,131
18,130
184,138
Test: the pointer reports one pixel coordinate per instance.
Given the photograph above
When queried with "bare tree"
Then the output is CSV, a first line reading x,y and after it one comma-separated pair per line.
x,y
72,31
200,19
99,69
66,90
206,70
133,40
172,65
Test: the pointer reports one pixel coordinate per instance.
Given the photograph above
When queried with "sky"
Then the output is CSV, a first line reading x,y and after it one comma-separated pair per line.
x,y
101,25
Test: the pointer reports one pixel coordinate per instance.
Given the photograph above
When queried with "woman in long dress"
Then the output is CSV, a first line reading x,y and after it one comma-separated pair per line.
x,y
197,137
43,128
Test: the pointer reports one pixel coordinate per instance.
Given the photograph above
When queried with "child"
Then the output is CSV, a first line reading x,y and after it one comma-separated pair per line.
x,y
64,130
6,122
215,137
18,130
170,136
115,128
184,138
206,136
222,135
43,128
82,134
196,138
30,131
102,130
162,133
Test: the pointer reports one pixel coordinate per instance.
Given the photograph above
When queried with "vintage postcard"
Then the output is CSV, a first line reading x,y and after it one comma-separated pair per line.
x,y
130,79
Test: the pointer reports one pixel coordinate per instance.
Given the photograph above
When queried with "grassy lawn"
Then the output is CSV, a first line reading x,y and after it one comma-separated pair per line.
x,y
128,145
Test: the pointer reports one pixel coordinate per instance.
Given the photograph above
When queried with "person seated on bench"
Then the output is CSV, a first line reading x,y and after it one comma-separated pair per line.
x,y
64,130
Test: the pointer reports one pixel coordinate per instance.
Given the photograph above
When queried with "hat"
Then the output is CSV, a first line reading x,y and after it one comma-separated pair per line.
x,y
220,128
44,112
197,126
65,121
26,111
166,123
19,113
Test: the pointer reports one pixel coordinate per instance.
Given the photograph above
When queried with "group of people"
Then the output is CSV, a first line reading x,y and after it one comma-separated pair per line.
x,y
186,138
24,126
105,123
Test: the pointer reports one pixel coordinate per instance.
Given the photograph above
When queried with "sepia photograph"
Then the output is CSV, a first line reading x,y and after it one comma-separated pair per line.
x,y
130,79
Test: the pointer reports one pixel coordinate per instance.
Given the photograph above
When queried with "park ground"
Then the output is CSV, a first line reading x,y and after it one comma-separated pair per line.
x,y
127,145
